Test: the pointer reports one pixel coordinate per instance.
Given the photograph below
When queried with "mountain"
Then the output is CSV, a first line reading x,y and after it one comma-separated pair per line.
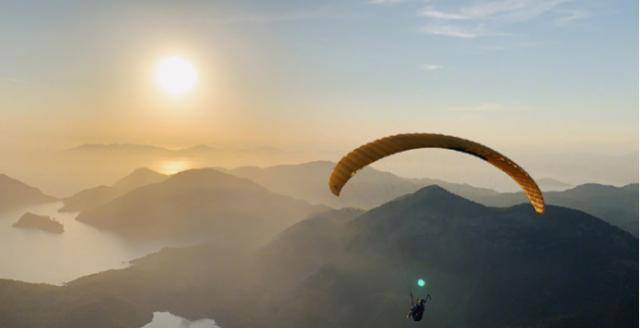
x,y
100,195
124,148
550,184
138,178
202,202
575,167
308,244
615,205
136,149
15,194
369,188
59,307
485,267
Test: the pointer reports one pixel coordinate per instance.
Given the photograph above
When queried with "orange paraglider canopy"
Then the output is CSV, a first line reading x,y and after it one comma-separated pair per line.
x,y
375,150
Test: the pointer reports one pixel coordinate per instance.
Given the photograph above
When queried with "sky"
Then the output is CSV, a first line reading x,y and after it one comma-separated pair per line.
x,y
524,76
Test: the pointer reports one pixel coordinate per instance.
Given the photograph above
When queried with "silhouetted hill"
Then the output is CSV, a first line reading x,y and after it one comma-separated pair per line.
x,y
100,195
57,307
203,202
615,205
369,188
138,178
15,194
485,267
308,244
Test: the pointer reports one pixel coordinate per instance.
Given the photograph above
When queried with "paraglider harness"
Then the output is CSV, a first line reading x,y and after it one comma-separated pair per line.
x,y
417,307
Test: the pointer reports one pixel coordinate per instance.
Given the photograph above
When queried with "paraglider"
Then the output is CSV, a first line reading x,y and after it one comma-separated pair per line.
x,y
373,151
366,154
418,305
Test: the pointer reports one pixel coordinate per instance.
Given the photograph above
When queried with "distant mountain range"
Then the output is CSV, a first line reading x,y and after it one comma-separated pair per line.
x,y
615,205
15,194
93,197
137,149
295,264
485,267
570,168
371,187
201,202
143,150
551,184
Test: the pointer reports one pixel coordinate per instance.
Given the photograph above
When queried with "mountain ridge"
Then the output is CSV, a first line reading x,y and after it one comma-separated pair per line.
x,y
493,267
15,193
92,197
198,202
371,187
469,255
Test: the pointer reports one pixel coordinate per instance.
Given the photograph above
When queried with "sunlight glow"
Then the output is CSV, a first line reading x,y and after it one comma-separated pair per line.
x,y
173,166
175,76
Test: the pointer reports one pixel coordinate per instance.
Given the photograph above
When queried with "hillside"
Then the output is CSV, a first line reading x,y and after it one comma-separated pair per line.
x,y
369,188
100,195
203,202
615,205
485,267
15,194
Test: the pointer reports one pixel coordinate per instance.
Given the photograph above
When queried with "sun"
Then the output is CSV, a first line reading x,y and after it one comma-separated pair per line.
x,y
175,76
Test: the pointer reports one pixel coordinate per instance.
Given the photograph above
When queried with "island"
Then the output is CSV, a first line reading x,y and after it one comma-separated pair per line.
x,y
40,222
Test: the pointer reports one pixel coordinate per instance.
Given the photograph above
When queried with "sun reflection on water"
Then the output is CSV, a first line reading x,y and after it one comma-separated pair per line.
x,y
173,166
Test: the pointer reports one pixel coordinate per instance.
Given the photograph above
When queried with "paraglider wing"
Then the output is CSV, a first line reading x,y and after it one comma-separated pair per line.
x,y
373,151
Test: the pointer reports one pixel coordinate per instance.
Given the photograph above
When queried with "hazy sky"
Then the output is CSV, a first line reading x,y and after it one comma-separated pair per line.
x,y
544,75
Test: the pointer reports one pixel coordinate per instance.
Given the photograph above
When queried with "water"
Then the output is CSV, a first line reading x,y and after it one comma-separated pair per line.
x,y
168,320
38,256
173,166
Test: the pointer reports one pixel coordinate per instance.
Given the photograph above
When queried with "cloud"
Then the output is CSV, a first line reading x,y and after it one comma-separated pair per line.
x,y
569,16
12,80
472,20
450,30
483,107
491,107
431,67
529,44
284,16
503,9
432,13
494,8
384,2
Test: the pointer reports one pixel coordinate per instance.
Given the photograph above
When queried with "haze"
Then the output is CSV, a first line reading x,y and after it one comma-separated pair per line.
x,y
177,163
537,80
